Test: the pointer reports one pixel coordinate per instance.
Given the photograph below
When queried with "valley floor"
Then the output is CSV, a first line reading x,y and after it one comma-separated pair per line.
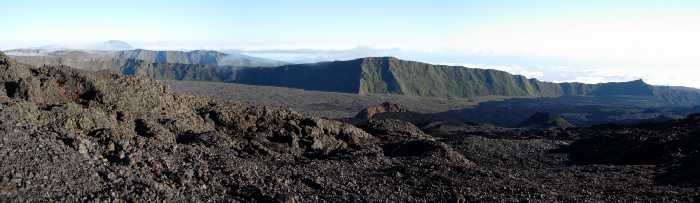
x,y
317,103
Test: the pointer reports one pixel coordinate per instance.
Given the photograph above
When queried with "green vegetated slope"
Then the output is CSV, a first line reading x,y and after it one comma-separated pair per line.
x,y
388,75
201,57
391,75
178,71
193,57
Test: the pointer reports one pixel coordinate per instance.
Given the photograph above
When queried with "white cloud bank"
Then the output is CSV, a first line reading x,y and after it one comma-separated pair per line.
x,y
660,49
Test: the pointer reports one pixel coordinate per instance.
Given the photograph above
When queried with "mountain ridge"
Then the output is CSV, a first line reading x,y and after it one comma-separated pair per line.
x,y
100,59
390,75
387,70
110,45
369,75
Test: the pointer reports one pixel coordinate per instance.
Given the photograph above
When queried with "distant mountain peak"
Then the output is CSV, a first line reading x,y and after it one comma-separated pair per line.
x,y
637,81
110,45
634,87
376,58
381,58
115,42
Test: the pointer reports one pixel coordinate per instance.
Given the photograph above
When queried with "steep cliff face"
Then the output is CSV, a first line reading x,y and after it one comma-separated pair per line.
x,y
378,76
391,75
176,71
199,57
193,57
388,75
340,76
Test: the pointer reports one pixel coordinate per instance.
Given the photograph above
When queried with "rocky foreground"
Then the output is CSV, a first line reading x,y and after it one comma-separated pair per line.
x,y
69,135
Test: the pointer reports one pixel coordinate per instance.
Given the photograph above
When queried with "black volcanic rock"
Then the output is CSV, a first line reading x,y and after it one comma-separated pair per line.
x,y
72,135
426,148
68,135
82,128
392,129
545,120
674,145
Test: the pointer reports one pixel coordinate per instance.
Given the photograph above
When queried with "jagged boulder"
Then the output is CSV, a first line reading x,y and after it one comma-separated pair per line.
x,y
371,111
392,129
310,135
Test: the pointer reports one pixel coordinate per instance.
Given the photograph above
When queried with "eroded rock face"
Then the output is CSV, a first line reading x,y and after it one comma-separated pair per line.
x,y
392,128
402,139
310,135
84,102
385,107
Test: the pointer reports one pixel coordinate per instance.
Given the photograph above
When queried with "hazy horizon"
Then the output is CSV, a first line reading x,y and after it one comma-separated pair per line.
x,y
592,41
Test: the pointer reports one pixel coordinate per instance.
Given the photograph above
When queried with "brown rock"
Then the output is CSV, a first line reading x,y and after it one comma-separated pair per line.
x,y
394,129
371,111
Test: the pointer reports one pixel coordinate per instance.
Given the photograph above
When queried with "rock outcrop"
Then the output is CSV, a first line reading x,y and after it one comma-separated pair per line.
x,y
673,145
392,128
72,135
369,112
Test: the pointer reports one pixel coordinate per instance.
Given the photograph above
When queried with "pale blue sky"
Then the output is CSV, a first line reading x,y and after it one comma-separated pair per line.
x,y
591,41
299,23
